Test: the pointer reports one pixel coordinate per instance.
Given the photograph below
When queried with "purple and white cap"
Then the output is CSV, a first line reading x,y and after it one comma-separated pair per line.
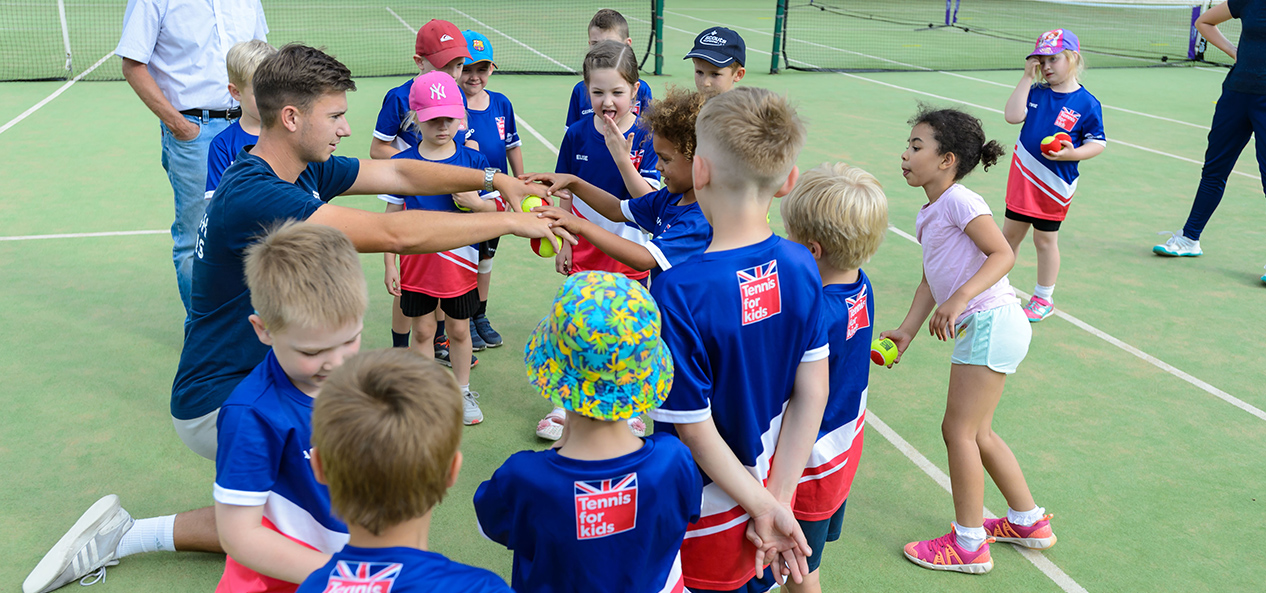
x,y
1053,42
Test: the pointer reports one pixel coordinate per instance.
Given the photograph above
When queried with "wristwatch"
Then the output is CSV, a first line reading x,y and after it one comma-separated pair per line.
x,y
488,174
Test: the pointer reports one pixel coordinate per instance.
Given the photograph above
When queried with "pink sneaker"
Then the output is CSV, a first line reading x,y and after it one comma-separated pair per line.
x,y
1038,309
944,553
1037,536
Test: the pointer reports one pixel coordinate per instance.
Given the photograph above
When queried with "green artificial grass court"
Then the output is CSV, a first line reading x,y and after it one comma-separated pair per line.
x,y
1155,483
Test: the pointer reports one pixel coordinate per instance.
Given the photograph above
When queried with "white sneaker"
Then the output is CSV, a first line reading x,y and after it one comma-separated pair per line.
x,y
471,414
87,548
1177,246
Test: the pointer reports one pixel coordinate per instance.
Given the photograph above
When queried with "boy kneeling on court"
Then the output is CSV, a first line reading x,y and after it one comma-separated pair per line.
x,y
385,436
274,519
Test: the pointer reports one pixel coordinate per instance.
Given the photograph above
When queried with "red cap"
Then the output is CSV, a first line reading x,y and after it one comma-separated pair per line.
x,y
441,41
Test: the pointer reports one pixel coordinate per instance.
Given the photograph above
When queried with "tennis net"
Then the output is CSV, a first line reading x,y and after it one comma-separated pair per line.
x,y
61,39
874,35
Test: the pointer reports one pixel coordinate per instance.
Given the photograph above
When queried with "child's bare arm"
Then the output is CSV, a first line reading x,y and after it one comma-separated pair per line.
x,y
261,549
597,198
800,424
391,274
381,149
1086,151
1017,103
998,261
514,158
620,147
920,308
620,249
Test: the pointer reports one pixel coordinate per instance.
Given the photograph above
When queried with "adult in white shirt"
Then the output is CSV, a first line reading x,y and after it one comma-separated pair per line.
x,y
173,56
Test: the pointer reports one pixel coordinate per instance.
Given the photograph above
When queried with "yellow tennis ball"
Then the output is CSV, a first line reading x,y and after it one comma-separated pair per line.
x,y
542,248
883,351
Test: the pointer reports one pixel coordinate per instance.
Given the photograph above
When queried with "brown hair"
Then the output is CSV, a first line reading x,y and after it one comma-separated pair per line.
x,y
615,55
961,133
244,58
608,19
843,208
386,428
753,135
297,75
673,118
307,275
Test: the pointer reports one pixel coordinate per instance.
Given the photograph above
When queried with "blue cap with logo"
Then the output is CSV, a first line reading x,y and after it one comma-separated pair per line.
x,y
1053,42
720,46
477,44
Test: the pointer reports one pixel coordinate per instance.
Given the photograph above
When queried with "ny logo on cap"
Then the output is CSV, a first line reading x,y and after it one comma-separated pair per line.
x,y
712,39
437,92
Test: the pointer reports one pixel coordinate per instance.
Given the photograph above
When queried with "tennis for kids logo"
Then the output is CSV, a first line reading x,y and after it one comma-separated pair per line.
x,y
1067,119
606,507
858,316
758,287
365,577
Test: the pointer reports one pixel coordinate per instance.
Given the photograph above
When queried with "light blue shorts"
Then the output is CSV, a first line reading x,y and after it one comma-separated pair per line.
x,y
997,338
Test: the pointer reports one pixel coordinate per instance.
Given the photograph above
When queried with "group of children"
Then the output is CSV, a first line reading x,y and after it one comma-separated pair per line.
x,y
749,350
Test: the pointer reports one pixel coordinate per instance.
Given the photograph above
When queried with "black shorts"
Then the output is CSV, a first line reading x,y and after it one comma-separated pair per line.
x,y
488,249
1046,226
416,304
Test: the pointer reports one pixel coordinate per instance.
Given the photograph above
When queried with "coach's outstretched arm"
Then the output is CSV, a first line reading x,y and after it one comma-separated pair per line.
x,y
416,231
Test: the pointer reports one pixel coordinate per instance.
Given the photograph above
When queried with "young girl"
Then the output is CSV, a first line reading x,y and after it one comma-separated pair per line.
x,y
494,133
1042,184
445,280
965,264
610,153
670,215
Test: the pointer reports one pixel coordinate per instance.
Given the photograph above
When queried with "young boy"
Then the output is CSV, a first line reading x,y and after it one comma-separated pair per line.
x,y
274,519
447,280
439,46
390,420
840,213
744,321
718,56
598,355
241,62
606,25
491,124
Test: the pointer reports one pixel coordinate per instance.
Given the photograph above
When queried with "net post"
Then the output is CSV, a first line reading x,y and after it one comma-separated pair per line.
x,y
780,15
61,12
659,36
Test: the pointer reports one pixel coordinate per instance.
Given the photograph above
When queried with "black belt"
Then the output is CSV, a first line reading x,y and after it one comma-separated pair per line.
x,y
233,113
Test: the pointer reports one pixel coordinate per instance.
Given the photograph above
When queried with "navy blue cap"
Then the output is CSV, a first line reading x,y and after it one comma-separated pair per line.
x,y
720,46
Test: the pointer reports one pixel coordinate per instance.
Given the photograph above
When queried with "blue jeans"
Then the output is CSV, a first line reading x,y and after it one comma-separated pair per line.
x,y
1237,117
186,166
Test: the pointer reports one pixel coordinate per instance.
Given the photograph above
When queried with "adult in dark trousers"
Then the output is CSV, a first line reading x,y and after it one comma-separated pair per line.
x,y
301,95
173,57
1240,113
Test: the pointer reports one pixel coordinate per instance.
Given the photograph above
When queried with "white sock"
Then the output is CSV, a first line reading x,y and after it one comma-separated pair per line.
x,y
970,538
156,534
1026,518
1044,292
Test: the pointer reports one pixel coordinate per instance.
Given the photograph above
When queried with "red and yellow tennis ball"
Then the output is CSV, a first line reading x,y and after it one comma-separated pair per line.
x,y
542,248
883,351
1054,144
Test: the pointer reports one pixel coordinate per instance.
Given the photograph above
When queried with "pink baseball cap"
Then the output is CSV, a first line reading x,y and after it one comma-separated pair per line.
x,y
1053,42
435,94
439,42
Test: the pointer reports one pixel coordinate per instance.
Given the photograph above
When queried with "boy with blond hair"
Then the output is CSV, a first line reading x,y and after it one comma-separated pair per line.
x,y
718,55
241,62
274,519
598,355
386,433
841,214
734,316
606,25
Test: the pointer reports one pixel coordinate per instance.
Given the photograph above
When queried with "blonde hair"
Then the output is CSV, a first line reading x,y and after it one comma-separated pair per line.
x,y
752,135
386,429
243,58
843,208
1078,62
306,275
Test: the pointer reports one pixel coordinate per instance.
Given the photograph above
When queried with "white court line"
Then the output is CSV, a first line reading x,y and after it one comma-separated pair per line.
x,y
519,119
83,235
1042,563
1148,358
56,93
525,46
402,21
